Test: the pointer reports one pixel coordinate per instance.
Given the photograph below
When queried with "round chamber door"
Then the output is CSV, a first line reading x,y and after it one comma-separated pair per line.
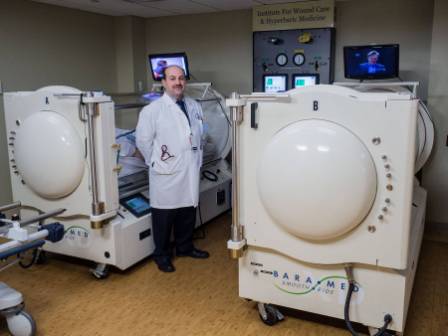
x,y
49,154
316,179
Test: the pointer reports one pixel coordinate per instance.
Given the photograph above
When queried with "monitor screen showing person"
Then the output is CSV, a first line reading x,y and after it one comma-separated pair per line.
x,y
274,83
371,62
160,61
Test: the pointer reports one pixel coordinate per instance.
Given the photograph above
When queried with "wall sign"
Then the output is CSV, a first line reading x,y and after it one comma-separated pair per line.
x,y
297,15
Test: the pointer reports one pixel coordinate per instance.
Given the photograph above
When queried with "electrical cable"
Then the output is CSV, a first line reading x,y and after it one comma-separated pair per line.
x,y
32,262
201,223
351,288
209,175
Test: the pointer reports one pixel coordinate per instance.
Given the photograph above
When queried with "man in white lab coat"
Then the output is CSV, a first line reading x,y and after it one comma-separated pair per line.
x,y
168,135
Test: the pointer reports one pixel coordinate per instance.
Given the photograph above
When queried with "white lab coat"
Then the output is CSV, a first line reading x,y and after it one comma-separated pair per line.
x,y
173,170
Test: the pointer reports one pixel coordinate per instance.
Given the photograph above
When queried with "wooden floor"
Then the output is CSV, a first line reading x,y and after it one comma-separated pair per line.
x,y
200,298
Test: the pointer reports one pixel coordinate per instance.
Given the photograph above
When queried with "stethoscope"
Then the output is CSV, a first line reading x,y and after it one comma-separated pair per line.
x,y
165,154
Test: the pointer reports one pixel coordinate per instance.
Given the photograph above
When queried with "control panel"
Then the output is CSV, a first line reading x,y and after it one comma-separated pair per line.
x,y
137,204
286,59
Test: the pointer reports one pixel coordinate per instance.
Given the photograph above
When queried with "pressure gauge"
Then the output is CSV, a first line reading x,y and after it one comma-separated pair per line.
x,y
299,59
281,59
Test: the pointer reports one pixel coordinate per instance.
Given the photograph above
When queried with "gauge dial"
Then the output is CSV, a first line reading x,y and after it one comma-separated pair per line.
x,y
299,59
281,59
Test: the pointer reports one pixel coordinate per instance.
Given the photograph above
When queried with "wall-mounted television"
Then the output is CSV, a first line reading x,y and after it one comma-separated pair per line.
x,y
371,61
158,62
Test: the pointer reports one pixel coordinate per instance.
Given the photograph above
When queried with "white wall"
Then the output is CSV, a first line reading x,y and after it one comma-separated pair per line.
x,y
139,54
124,53
45,45
435,177
131,66
130,47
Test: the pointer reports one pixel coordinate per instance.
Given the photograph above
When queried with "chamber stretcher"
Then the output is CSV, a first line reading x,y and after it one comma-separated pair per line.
x,y
15,240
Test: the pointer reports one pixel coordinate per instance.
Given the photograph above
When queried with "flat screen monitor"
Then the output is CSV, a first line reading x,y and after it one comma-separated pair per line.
x,y
371,62
301,80
137,204
158,62
275,83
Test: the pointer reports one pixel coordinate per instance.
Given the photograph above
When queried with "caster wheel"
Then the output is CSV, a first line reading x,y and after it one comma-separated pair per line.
x,y
21,324
269,314
100,272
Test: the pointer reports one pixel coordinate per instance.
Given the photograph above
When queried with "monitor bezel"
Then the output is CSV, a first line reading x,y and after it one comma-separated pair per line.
x,y
177,54
293,78
373,46
274,75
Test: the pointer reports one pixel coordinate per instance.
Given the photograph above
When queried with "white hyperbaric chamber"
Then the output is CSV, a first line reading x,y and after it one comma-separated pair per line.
x,y
329,173
326,183
64,152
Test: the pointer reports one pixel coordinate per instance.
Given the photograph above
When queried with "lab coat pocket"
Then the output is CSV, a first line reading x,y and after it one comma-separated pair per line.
x,y
169,166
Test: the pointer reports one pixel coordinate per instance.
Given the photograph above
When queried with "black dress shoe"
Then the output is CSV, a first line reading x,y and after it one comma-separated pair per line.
x,y
166,267
194,253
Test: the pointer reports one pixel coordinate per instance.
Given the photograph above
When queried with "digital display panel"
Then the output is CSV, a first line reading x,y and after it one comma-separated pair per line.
x,y
138,205
275,83
301,80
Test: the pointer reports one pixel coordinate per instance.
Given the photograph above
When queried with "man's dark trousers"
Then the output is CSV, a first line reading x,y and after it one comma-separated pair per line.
x,y
182,222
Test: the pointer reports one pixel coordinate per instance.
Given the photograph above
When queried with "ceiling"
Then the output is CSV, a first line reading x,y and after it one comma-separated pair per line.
x,y
155,8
